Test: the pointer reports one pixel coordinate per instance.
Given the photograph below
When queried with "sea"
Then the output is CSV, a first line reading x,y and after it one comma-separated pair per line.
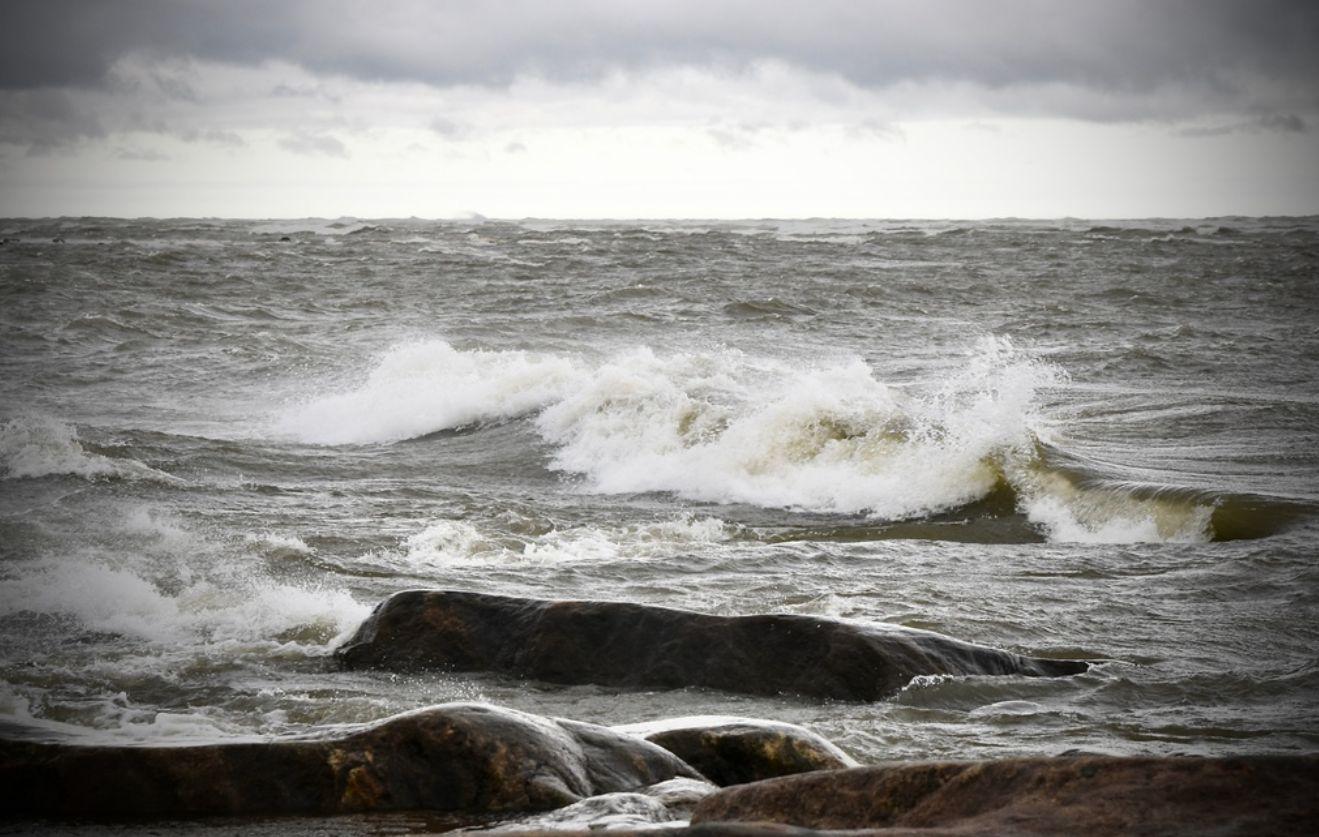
x,y
223,442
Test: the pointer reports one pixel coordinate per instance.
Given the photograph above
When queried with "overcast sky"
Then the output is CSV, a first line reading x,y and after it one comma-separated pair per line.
x,y
936,108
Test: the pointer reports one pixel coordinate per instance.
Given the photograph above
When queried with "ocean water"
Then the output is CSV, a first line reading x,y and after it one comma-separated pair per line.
x,y
223,442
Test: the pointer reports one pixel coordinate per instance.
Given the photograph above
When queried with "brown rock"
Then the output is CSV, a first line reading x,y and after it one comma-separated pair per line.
x,y
620,644
1082,795
468,758
731,751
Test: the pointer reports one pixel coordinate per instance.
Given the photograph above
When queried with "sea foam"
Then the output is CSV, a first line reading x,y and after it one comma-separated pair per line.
x,y
724,426
429,386
35,446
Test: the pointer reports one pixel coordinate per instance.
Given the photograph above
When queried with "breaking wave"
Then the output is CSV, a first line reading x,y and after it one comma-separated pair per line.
x,y
731,428
34,447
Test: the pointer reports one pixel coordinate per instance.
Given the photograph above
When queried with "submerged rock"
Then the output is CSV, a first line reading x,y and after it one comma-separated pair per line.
x,y
731,751
621,644
467,758
1081,795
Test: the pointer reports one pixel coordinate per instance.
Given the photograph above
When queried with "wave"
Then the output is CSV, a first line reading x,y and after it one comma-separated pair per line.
x,y
156,580
459,543
726,427
427,387
33,447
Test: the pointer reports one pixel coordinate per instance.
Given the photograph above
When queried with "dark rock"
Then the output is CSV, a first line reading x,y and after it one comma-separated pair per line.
x,y
285,238
620,644
731,751
466,758
1080,795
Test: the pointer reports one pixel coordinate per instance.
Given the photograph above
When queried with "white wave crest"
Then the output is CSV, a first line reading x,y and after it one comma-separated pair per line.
x,y
728,427
1068,513
459,543
33,447
420,388
834,439
158,581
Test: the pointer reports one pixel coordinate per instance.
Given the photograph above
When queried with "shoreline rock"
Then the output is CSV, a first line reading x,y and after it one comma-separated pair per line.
x,y
733,751
632,645
1098,795
462,758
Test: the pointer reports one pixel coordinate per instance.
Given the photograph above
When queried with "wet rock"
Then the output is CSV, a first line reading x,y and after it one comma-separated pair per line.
x,y
467,758
667,802
731,751
1081,795
621,644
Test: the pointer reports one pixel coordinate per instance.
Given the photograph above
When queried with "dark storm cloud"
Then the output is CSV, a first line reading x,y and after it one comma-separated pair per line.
x,y
1260,56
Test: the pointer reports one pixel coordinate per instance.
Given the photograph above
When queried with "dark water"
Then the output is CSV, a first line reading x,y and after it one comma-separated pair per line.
x,y
220,449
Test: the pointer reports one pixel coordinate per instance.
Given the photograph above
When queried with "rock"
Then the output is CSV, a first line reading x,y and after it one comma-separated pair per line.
x,y
285,238
467,758
680,795
1083,795
671,801
731,751
621,644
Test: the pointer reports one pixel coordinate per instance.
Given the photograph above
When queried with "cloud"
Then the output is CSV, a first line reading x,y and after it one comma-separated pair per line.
x,y
144,155
1282,123
1216,55
308,142
46,120
214,136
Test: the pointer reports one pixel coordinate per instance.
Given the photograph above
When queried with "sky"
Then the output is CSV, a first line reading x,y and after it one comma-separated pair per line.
x,y
678,109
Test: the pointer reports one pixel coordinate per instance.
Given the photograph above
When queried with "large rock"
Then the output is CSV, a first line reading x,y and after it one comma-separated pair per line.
x,y
466,758
620,644
731,751
1080,795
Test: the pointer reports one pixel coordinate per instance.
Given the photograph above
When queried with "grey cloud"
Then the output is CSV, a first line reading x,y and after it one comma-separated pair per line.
x,y
1285,123
307,142
45,120
145,155
214,136
449,129
1226,55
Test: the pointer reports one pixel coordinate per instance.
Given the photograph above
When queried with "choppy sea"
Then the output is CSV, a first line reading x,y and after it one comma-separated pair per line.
x,y
222,442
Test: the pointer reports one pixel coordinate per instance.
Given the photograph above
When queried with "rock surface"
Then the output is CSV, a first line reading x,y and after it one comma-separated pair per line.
x,y
732,751
1078,795
621,644
468,758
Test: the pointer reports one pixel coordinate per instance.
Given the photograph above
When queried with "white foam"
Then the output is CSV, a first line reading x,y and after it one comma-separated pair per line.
x,y
424,387
33,447
1105,517
459,543
279,546
727,427
832,438
163,584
